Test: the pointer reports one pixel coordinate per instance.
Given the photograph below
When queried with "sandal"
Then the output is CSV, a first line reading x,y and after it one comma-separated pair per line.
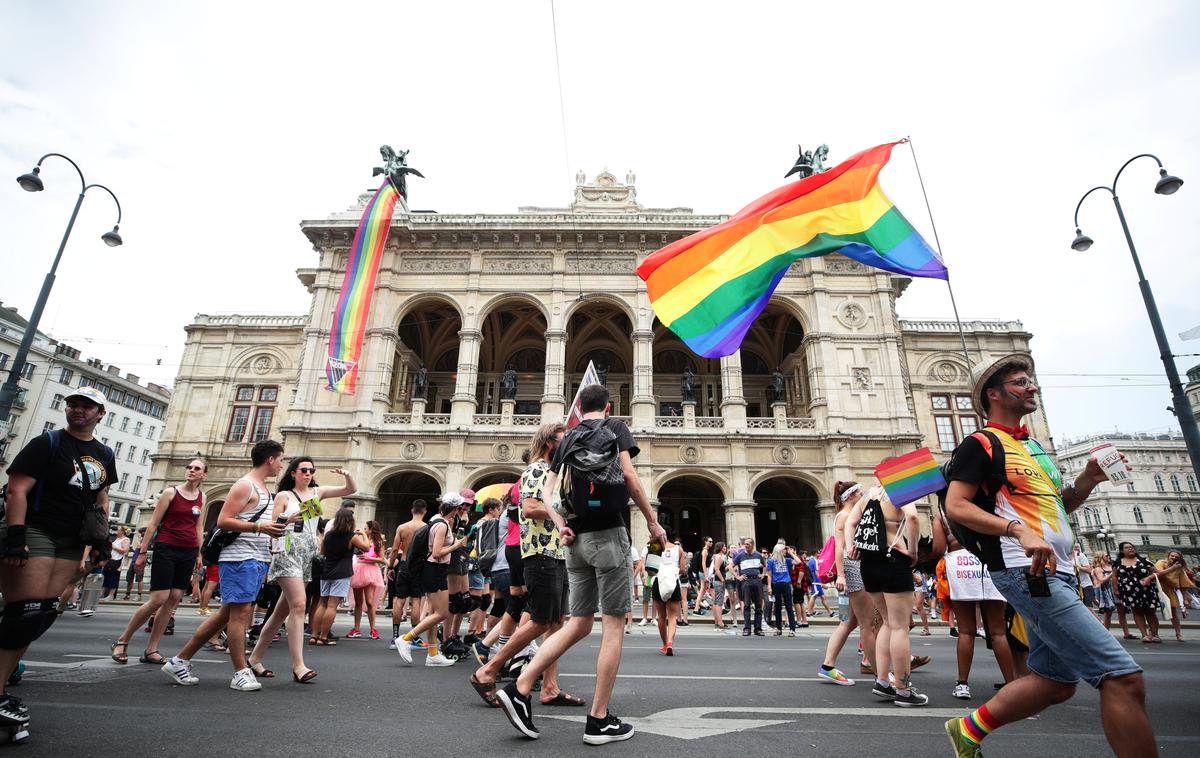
x,y
216,647
563,698
1131,636
261,670
330,642
314,641
121,657
305,678
485,690
157,658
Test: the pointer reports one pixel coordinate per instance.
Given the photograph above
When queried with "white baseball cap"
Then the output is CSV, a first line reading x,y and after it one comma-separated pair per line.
x,y
89,393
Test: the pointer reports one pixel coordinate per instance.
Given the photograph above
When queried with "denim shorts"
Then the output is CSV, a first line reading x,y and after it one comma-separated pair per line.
x,y
476,580
1066,642
241,580
499,582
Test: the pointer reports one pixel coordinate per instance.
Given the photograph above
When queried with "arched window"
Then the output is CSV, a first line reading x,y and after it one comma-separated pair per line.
x,y
1175,482
1170,516
1158,483
1087,516
1137,515
1191,482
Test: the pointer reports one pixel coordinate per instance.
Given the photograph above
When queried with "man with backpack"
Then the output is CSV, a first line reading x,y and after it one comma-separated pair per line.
x,y
56,484
406,588
594,466
1007,504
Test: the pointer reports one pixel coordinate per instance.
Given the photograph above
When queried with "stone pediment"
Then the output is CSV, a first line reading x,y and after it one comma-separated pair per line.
x,y
605,194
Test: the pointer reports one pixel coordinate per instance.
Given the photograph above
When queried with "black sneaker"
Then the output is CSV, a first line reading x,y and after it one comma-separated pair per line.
x,y
913,699
954,631
605,730
13,711
884,691
519,709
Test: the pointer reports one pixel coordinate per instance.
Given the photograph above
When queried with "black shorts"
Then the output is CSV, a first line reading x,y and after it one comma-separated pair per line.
x,y
405,585
172,567
544,591
890,576
458,562
516,566
433,577
676,596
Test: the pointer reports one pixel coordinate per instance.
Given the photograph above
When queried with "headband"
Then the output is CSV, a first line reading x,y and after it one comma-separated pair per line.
x,y
846,495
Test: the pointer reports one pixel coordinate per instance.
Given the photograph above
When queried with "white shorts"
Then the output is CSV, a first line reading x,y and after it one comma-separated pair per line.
x,y
969,579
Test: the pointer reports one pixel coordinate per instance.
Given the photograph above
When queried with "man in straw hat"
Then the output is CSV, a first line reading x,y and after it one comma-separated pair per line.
x,y
1015,520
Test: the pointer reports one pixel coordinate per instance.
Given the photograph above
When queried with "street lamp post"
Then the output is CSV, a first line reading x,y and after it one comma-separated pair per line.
x,y
1166,185
32,182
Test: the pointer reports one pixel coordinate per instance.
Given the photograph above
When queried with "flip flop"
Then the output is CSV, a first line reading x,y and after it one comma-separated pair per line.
x,y
485,690
216,647
157,660
119,657
328,643
306,678
563,698
1131,636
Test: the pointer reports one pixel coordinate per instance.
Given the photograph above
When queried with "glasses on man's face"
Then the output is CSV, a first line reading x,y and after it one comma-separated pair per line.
x,y
195,468
1024,382
307,470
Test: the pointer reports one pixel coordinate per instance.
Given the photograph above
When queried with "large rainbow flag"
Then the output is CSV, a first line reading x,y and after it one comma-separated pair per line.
x,y
910,476
709,287
350,317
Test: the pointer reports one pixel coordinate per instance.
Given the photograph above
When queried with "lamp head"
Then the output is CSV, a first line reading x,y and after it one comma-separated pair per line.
x,y
1166,184
31,182
1082,241
113,238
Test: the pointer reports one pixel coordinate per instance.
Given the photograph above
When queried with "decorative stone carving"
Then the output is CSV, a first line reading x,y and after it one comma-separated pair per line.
x,y
502,451
426,265
843,266
412,450
944,371
689,454
623,264
860,378
852,315
784,455
263,364
517,265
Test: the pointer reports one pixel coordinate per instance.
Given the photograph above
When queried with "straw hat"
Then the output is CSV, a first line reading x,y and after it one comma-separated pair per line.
x,y
982,373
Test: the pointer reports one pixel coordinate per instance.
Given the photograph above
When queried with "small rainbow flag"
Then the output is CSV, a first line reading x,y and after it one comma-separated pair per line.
x,y
350,317
709,287
910,476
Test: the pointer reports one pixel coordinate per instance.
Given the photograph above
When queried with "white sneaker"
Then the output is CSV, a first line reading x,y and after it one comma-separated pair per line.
x,y
643,622
86,613
404,648
438,660
392,644
533,647
245,681
179,671
962,692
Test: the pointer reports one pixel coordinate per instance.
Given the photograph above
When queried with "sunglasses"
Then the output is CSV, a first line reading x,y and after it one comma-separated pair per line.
x,y
195,468
307,470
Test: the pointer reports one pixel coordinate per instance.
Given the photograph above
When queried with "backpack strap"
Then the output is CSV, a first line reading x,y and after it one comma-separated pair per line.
x,y
997,478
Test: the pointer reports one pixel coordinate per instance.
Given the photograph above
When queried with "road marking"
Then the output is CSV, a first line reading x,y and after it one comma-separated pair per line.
x,y
727,650
690,724
708,678
48,664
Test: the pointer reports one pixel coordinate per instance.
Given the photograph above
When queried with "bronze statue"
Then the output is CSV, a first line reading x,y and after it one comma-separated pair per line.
x,y
421,383
809,163
778,391
395,166
602,374
508,385
687,384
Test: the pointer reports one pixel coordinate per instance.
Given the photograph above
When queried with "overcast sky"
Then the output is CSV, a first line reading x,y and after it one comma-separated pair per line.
x,y
222,125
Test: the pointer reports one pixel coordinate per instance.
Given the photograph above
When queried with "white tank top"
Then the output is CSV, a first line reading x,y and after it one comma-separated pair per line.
x,y
248,545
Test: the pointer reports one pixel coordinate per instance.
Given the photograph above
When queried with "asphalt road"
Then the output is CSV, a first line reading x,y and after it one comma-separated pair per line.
x,y
719,695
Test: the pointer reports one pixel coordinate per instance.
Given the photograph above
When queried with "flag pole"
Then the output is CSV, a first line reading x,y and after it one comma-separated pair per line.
x,y
953,304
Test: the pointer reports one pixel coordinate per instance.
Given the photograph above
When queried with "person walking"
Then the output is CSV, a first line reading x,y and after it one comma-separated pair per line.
x,y
1083,571
176,534
779,577
133,573
1014,518
338,544
406,589
1137,591
243,567
802,581
434,571
367,580
56,482
668,592
112,569
849,581
594,464
701,561
299,504
1173,576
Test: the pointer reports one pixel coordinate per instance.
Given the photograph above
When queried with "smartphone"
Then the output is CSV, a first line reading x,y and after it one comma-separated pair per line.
x,y
1038,586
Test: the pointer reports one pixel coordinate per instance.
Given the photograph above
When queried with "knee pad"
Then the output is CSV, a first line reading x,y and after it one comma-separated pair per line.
x,y
499,605
516,604
483,602
22,622
459,603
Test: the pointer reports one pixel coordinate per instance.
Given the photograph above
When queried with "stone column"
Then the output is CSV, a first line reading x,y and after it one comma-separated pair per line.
x,y
463,402
553,401
689,414
506,411
418,410
779,410
739,520
639,535
642,405
827,511
733,404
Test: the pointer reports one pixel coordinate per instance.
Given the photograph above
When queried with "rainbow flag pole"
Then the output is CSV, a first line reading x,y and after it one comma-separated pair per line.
x,y
354,303
910,476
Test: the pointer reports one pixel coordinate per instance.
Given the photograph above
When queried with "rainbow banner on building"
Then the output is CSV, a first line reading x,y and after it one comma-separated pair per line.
x,y
910,477
709,287
350,317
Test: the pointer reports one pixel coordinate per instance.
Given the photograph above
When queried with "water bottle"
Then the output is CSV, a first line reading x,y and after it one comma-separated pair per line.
x,y
843,606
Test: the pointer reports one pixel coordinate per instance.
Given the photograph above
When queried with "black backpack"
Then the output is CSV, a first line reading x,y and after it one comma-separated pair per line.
x,y
486,545
996,479
418,549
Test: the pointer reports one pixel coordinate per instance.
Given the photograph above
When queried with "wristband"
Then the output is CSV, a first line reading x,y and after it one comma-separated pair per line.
x,y
256,527
15,536
1008,528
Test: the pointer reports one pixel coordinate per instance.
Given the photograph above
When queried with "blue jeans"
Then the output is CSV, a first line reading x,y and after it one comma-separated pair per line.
x,y
783,599
1066,642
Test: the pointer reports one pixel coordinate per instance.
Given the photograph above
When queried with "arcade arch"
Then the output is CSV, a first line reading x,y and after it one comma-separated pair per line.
x,y
513,337
396,495
428,337
785,506
600,331
775,342
693,507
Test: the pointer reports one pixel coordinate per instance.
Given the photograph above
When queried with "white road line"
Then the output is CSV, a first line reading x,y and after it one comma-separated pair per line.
x,y
727,650
708,678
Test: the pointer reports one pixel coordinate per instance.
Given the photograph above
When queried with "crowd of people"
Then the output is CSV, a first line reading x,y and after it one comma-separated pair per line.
x,y
521,583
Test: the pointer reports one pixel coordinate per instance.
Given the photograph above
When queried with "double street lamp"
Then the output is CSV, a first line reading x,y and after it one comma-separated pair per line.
x,y
32,182
1166,185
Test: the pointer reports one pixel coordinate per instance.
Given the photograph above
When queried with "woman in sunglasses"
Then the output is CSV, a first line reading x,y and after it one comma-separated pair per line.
x,y
175,531
299,504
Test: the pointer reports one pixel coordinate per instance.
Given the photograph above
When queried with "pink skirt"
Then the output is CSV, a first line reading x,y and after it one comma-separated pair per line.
x,y
366,575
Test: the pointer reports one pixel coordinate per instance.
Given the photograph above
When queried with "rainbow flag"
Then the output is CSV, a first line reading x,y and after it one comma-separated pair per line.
x,y
709,287
350,317
910,476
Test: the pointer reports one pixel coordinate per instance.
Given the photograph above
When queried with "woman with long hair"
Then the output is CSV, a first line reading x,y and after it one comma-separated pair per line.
x,y
1172,575
1102,580
177,532
700,575
337,545
298,502
1137,591
667,590
779,574
717,571
849,582
367,580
